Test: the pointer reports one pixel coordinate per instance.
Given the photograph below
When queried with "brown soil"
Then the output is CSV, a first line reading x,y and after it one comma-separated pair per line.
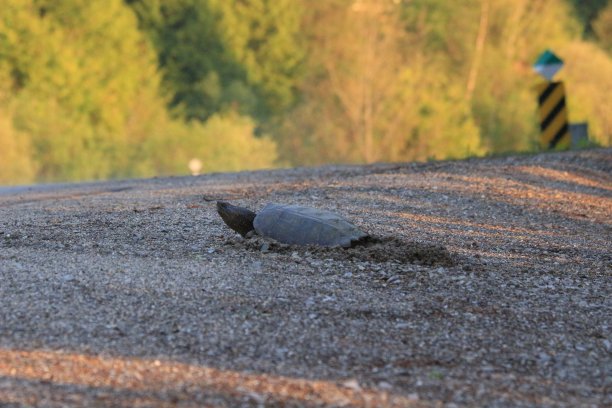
x,y
374,249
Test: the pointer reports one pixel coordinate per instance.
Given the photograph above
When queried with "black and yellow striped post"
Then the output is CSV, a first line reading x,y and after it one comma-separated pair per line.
x,y
554,125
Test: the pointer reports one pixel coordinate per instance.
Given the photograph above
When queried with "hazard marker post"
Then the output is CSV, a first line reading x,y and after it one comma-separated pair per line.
x,y
554,126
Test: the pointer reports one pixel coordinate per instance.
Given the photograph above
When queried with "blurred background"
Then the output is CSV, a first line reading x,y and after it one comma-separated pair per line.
x,y
99,89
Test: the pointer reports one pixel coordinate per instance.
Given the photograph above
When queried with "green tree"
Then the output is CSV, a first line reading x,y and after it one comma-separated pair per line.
x,y
489,46
602,27
78,69
588,77
587,11
372,94
15,153
220,55
230,144
97,89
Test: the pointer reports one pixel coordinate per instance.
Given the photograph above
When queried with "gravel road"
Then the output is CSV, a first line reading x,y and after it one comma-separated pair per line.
x,y
491,286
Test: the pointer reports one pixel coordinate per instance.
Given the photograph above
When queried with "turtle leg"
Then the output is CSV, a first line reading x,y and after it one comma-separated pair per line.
x,y
239,219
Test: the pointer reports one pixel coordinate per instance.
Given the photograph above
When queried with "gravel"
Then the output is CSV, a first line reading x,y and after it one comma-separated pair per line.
x,y
489,285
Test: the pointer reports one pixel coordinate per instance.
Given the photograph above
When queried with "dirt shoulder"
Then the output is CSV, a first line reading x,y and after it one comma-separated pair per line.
x,y
490,285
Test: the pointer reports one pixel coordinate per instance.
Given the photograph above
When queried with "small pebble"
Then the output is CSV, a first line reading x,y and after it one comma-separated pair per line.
x,y
353,384
383,385
413,396
394,279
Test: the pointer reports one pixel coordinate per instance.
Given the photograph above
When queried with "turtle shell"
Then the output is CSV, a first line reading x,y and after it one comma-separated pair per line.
x,y
294,224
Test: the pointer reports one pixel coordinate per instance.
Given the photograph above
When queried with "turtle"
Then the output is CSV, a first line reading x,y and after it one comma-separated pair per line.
x,y
293,224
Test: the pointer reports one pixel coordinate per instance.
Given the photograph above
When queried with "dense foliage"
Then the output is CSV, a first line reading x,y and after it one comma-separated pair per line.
x,y
93,89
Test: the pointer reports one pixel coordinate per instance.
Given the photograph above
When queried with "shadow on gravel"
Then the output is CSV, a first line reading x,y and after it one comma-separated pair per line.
x,y
378,249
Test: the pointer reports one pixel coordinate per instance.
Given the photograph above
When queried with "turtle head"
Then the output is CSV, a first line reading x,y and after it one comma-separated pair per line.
x,y
239,219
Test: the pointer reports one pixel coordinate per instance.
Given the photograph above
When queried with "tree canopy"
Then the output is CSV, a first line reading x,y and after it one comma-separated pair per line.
x,y
93,89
